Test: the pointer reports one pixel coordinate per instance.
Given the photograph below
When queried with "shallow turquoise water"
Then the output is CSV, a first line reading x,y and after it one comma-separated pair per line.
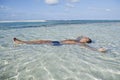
x,y
66,62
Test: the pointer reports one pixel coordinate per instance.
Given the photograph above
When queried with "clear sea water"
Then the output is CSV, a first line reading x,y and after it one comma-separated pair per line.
x,y
66,62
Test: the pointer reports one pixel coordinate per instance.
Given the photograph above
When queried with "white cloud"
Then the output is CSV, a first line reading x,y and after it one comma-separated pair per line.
x,y
73,0
70,5
13,15
93,8
51,2
2,7
108,9
99,9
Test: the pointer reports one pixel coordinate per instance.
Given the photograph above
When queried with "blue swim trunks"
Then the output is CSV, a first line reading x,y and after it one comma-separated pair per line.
x,y
56,43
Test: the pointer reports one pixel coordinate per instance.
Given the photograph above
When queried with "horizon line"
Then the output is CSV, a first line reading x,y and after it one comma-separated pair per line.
x,y
2,21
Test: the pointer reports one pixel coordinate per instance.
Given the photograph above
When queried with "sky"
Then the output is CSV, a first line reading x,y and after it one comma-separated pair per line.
x,y
59,10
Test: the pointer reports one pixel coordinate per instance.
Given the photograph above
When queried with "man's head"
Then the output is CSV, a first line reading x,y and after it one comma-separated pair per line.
x,y
85,40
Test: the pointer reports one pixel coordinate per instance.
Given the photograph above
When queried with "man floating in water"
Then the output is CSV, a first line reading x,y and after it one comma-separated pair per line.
x,y
83,41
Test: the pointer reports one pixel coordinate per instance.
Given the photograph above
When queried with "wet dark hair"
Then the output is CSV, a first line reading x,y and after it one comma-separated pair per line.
x,y
90,41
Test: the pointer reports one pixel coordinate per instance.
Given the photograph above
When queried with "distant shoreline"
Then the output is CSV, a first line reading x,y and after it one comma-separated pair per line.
x,y
12,21
23,21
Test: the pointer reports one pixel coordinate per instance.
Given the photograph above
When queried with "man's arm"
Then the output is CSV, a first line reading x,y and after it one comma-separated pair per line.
x,y
94,49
